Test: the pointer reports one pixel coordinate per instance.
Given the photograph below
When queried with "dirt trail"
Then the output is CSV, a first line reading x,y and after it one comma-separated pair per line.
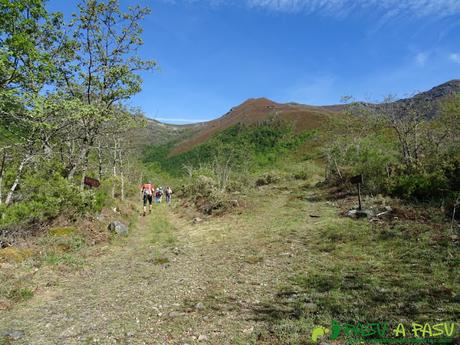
x,y
171,282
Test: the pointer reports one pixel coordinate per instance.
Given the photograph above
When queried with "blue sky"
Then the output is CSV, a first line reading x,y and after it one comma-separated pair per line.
x,y
215,54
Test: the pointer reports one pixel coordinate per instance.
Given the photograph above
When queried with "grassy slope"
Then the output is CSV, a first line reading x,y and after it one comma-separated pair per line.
x,y
265,275
258,146
255,111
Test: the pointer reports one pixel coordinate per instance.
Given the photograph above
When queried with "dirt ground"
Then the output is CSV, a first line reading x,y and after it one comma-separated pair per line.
x,y
267,273
172,281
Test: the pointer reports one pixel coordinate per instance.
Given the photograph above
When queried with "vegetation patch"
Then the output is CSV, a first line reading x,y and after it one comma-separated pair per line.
x,y
20,294
254,259
61,231
15,254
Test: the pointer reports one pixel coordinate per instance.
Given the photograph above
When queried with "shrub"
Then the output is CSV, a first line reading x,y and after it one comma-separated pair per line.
x,y
267,178
203,191
41,198
418,186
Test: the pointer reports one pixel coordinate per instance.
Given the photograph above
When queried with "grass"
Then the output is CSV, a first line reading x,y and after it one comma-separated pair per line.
x,y
266,275
161,230
254,259
13,289
160,260
61,231
352,270
362,276
53,258
20,294
15,254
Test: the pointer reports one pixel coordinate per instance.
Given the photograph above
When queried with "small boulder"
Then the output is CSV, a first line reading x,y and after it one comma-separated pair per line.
x,y
199,306
207,209
4,243
310,307
14,334
100,217
202,337
119,228
359,213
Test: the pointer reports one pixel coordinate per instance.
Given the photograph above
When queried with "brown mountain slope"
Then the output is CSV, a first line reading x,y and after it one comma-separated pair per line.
x,y
304,117
257,110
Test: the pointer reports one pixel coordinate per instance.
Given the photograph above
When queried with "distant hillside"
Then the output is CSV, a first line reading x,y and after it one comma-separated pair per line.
x,y
427,102
302,117
157,133
252,111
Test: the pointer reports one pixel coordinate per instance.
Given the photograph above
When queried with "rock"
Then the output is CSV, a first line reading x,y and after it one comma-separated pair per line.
x,y
199,306
359,213
197,220
4,243
173,314
119,228
311,307
14,334
202,337
207,209
248,330
235,203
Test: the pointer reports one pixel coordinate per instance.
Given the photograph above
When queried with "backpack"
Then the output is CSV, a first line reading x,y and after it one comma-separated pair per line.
x,y
146,190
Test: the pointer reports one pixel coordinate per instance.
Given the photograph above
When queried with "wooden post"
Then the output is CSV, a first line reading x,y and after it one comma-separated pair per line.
x,y
358,180
359,196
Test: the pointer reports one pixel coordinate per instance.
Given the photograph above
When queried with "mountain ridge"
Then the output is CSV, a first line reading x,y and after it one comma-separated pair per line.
x,y
302,116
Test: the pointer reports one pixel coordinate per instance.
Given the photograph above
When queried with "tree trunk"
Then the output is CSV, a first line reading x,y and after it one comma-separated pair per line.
x,y
9,197
337,168
99,157
75,165
122,176
114,167
2,168
84,170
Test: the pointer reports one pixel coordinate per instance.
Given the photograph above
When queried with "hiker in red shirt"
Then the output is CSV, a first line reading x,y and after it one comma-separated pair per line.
x,y
147,193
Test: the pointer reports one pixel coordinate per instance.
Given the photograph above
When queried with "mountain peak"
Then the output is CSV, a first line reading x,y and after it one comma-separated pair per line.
x,y
445,89
257,102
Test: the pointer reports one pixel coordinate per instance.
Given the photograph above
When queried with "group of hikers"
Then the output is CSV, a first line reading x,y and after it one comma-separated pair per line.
x,y
149,192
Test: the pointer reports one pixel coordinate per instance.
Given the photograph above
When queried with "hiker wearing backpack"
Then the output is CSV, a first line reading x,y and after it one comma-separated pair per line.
x,y
168,192
147,194
158,195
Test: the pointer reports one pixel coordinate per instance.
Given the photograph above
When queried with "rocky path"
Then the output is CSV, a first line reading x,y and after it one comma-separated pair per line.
x,y
170,282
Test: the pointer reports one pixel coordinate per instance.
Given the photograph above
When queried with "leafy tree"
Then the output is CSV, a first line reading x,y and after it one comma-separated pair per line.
x,y
61,98
29,43
105,68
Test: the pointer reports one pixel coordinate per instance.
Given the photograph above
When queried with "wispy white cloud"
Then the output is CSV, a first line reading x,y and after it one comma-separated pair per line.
x,y
421,58
340,8
343,8
454,57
